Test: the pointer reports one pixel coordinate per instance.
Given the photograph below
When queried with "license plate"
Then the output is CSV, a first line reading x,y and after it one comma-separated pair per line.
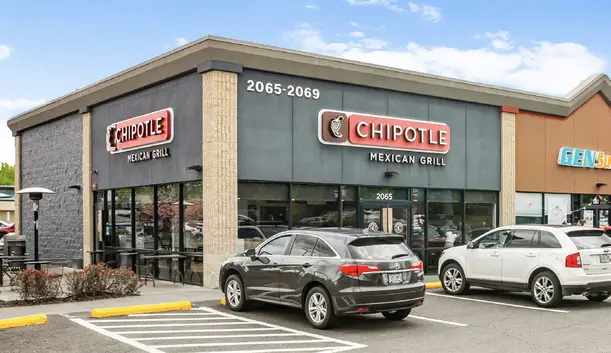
x,y
395,278
605,259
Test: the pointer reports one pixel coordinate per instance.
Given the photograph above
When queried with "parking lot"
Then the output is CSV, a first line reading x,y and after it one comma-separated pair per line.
x,y
482,321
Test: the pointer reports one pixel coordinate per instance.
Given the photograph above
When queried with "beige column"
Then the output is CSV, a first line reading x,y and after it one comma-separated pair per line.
x,y
508,165
86,188
17,184
220,166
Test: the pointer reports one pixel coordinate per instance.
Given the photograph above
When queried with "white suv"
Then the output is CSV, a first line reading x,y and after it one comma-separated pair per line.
x,y
548,261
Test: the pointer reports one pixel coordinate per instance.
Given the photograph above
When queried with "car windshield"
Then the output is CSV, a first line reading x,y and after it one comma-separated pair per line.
x,y
589,239
378,248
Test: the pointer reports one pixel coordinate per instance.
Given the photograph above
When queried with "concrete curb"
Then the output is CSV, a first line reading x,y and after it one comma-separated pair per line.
x,y
24,321
140,309
433,285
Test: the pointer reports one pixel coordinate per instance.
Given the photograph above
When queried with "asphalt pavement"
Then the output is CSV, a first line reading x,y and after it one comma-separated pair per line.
x,y
482,321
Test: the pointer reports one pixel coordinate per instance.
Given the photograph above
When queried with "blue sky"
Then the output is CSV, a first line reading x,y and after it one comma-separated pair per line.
x,y
50,48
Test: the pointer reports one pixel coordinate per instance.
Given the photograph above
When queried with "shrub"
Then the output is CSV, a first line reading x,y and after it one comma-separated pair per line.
x,y
36,285
100,281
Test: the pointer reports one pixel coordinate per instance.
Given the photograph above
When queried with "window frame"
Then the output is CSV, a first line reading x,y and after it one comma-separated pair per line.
x,y
274,238
477,241
540,238
530,243
294,240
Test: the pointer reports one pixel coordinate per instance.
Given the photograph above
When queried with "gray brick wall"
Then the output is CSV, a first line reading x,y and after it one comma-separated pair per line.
x,y
51,157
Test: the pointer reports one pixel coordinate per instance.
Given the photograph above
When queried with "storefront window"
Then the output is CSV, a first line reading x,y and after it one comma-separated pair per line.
x,y
480,213
262,212
529,208
594,210
445,223
123,217
192,194
557,208
144,218
349,207
167,217
315,206
383,193
108,231
418,223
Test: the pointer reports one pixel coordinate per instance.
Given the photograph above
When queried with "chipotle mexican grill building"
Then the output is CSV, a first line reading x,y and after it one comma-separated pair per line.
x,y
217,145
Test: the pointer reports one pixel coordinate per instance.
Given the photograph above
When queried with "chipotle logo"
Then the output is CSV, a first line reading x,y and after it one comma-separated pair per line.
x,y
373,131
147,130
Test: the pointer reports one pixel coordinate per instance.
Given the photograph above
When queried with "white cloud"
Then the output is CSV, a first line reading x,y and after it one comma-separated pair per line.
x,y
9,108
498,40
389,4
311,7
357,34
181,41
5,51
428,12
538,66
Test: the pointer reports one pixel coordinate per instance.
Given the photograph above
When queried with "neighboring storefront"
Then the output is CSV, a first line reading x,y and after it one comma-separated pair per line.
x,y
563,165
220,144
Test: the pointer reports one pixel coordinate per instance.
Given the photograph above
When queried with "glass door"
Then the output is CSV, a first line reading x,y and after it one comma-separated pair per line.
x,y
387,217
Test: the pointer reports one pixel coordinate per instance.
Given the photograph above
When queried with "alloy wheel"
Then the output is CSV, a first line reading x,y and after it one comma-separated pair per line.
x,y
544,290
452,279
234,293
317,308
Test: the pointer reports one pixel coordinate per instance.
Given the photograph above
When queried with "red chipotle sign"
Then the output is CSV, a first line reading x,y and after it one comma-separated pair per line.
x,y
373,131
147,130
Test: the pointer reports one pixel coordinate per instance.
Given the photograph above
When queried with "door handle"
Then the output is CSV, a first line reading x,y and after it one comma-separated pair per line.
x,y
531,255
306,265
495,254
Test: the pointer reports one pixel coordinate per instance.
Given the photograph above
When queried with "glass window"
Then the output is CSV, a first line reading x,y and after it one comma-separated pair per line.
x,y
383,193
263,206
480,213
522,238
276,246
529,208
315,206
144,218
419,223
349,215
167,217
493,240
557,208
108,230
445,215
378,248
123,217
589,239
548,241
303,245
323,250
193,210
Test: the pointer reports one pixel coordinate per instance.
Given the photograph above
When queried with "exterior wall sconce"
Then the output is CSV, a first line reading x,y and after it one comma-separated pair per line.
x,y
197,168
76,187
600,185
390,173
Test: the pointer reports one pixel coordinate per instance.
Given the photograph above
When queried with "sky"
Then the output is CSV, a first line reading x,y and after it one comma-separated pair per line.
x,y
51,48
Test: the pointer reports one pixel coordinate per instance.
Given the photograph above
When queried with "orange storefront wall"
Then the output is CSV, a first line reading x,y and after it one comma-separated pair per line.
x,y
539,138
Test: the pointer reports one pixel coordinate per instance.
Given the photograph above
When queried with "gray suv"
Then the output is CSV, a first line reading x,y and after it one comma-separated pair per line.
x,y
327,272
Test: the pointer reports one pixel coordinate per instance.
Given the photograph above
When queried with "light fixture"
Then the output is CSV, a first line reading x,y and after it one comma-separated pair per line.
x,y
197,168
599,185
76,187
390,173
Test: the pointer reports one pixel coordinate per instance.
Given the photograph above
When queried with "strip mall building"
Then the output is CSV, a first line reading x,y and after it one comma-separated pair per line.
x,y
219,144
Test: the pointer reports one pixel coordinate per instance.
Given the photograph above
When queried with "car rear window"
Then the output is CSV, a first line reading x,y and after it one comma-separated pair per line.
x,y
378,248
589,239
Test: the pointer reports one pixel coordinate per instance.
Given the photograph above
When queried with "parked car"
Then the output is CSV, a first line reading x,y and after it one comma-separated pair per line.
x,y
327,273
548,261
6,228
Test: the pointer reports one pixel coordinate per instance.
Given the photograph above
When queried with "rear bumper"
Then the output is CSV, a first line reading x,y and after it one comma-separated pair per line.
x,y
594,287
375,302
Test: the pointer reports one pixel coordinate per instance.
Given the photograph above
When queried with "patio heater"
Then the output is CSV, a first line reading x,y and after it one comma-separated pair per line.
x,y
35,195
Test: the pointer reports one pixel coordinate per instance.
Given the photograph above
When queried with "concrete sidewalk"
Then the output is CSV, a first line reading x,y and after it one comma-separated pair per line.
x,y
163,292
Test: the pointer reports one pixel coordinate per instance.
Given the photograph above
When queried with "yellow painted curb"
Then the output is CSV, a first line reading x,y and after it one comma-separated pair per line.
x,y
140,309
433,285
24,321
223,301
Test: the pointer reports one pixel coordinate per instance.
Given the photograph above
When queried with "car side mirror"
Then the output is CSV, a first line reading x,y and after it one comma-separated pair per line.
x,y
470,245
252,253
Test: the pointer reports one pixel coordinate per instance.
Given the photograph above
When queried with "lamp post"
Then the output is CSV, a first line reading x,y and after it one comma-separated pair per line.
x,y
35,195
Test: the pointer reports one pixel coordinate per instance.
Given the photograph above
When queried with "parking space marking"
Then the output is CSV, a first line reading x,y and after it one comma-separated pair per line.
x,y
437,320
500,303
221,332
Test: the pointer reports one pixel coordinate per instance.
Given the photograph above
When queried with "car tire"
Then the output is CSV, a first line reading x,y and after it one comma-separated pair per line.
x,y
453,280
545,290
397,315
597,297
235,297
318,299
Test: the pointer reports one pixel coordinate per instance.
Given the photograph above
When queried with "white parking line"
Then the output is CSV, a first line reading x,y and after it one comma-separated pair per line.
x,y
499,303
249,343
153,320
175,325
171,314
214,336
117,337
437,320
197,331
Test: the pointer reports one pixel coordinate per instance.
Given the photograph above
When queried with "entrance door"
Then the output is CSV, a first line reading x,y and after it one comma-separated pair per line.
x,y
597,216
388,217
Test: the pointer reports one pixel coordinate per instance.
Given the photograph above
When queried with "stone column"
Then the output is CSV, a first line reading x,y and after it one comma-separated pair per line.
x,y
86,188
18,227
220,165
508,165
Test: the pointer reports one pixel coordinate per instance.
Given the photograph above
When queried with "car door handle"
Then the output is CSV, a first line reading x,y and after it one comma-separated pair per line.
x,y
495,254
306,265
531,255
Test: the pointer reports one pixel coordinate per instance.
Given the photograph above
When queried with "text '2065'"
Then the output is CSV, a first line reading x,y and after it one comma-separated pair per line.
x,y
279,89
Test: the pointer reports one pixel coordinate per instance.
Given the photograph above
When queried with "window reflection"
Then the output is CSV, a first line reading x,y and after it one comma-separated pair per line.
x,y
445,223
315,206
529,208
192,194
144,218
418,223
123,217
480,213
349,207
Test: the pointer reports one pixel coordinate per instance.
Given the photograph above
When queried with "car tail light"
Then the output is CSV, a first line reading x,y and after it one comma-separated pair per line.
x,y
417,266
573,260
357,270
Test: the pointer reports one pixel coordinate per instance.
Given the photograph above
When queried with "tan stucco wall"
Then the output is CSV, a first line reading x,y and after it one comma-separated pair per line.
x,y
508,169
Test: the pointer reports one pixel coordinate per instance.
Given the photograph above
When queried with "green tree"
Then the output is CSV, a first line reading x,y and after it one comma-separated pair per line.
x,y
7,174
